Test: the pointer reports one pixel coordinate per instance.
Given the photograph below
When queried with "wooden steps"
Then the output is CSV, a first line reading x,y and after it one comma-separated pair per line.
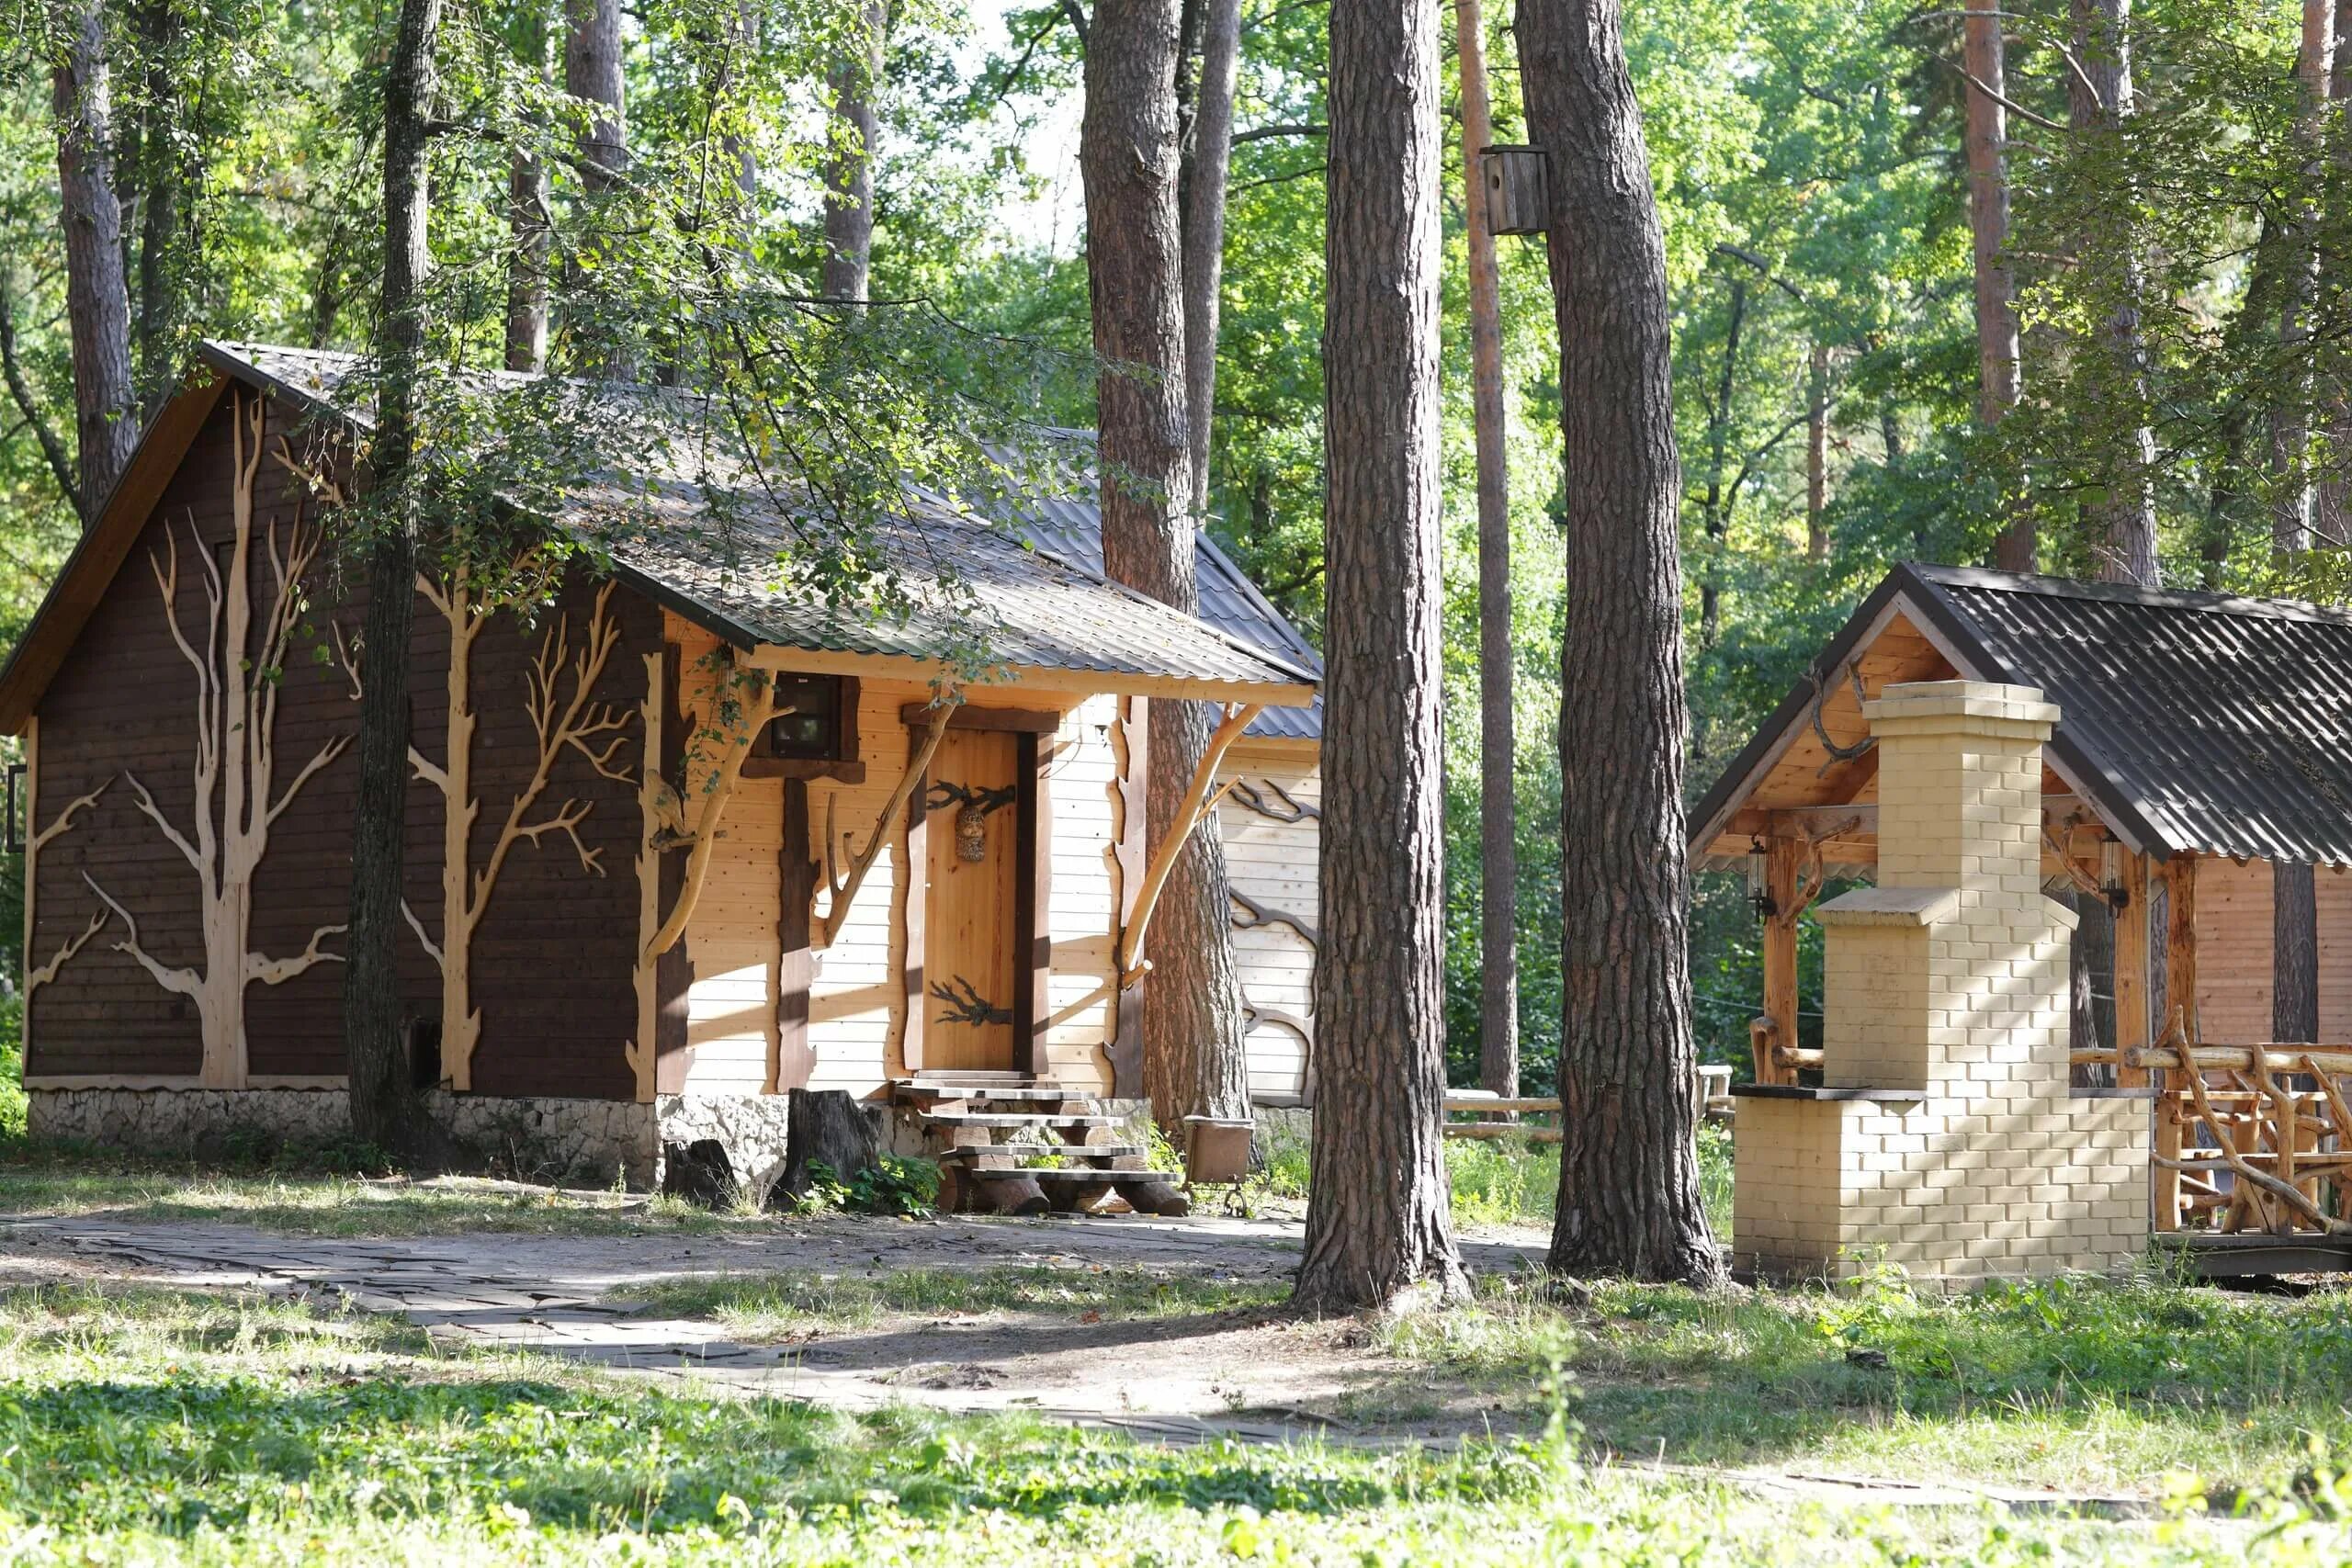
x,y
992,1134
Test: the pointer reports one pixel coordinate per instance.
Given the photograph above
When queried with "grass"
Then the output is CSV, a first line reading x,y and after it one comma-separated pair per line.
x,y
158,1427
792,1305
2065,1382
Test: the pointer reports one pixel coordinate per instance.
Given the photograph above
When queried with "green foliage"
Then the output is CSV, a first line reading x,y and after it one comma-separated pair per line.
x,y
894,1184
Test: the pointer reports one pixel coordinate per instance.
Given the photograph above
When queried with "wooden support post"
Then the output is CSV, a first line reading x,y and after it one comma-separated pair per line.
x,y
1780,959
2165,1201
2133,1014
2181,945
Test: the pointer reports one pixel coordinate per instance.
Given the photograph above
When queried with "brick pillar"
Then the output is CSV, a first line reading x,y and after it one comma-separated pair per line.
x,y
1953,971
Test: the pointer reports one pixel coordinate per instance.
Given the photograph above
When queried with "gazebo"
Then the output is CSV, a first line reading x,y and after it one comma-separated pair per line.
x,y
2195,813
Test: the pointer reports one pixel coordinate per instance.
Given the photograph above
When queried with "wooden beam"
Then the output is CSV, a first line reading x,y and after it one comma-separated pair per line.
x,y
907,667
2134,1016
1780,961
842,890
971,715
2180,943
1191,813
1032,892
795,963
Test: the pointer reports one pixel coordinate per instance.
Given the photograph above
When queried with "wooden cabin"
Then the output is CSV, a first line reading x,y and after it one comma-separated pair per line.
x,y
678,841
2197,815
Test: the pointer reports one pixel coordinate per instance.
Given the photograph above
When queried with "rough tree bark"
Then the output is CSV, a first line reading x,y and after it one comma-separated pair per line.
x,y
529,215
1628,1169
849,160
2294,971
591,71
1816,453
1715,511
1497,742
1379,1230
384,1109
1202,194
1997,351
1192,1003
2290,424
162,170
97,302
2123,522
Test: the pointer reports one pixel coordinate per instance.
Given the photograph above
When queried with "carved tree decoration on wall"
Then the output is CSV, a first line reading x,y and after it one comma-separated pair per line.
x,y
36,978
562,723
965,1004
236,798
973,806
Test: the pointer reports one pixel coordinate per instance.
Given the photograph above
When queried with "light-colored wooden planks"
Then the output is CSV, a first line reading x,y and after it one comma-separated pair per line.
x,y
968,926
2235,945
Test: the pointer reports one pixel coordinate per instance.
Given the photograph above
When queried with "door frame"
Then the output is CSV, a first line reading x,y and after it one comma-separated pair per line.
x,y
1032,872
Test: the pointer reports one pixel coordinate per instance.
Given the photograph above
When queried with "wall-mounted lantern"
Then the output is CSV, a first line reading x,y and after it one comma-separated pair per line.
x,y
1518,189
1759,873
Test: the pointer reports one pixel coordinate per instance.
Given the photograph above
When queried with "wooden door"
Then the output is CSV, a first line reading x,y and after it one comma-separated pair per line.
x,y
970,939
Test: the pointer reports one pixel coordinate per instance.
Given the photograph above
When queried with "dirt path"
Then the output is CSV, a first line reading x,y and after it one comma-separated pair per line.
x,y
1253,1374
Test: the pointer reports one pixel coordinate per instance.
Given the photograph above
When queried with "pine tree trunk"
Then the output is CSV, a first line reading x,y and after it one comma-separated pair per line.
x,y
98,301
1629,1172
2294,974
1203,221
161,174
592,71
849,163
2123,522
529,197
1497,738
1192,1001
1379,1227
2290,503
383,1104
1997,351
1816,454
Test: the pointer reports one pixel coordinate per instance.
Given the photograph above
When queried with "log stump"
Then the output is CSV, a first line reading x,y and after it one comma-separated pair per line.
x,y
700,1173
824,1127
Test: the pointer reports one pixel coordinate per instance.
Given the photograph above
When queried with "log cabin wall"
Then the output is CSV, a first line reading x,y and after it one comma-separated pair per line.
x,y
1271,848
551,958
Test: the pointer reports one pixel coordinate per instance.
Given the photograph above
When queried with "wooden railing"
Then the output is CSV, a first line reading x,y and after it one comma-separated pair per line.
x,y
1710,1095
2250,1138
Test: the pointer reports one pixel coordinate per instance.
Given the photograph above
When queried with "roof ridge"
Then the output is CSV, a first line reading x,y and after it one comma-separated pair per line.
x,y
2202,600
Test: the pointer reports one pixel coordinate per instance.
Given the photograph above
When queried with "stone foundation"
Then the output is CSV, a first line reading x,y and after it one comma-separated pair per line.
x,y
590,1143
750,1127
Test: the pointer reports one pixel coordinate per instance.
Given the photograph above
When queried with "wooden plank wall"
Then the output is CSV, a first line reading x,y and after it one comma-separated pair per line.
x,y
731,938
552,959
2233,946
1275,863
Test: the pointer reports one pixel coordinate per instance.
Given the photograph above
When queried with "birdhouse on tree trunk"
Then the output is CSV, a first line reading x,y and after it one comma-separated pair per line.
x,y
1518,189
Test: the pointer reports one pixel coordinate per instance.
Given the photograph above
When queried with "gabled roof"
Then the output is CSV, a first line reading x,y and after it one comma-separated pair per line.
x,y
1045,618
1072,528
2190,722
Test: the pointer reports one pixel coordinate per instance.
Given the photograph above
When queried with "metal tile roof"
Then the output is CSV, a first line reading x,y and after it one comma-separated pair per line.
x,y
1043,608
1072,528
2199,722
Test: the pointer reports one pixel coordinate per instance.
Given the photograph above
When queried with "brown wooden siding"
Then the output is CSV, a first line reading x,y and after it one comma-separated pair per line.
x,y
553,958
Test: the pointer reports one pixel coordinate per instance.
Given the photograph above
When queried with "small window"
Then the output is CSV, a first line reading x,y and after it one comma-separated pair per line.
x,y
815,720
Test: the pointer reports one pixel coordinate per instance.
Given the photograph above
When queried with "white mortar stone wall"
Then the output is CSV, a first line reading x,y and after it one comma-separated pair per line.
x,y
576,1142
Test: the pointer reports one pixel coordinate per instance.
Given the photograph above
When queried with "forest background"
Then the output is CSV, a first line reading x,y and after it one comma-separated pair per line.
x,y
1811,170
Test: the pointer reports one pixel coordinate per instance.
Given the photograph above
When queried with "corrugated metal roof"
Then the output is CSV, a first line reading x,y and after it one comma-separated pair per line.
x,y
2199,722
2219,723
1071,527
1036,607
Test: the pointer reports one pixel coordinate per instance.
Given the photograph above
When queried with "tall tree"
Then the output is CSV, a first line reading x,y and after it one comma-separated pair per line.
x,y
2291,492
1207,159
2123,519
1378,1221
383,1107
849,157
529,216
1982,58
591,73
1497,742
1629,1199
97,302
1194,1062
